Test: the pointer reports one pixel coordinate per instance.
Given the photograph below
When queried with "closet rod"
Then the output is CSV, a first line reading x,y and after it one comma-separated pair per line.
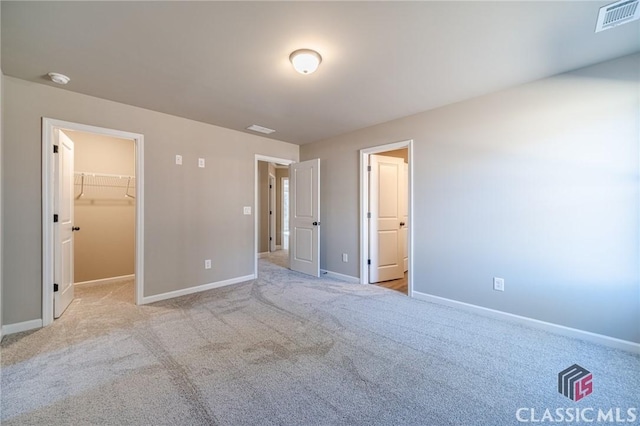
x,y
103,175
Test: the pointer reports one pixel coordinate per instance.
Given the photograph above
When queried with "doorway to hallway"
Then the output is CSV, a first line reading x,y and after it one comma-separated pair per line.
x,y
386,220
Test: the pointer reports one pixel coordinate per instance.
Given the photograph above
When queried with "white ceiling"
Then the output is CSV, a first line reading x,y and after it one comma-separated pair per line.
x,y
226,63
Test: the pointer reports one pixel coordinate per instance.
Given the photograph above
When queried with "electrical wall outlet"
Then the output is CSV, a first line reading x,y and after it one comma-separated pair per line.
x,y
345,257
498,284
179,160
246,210
201,162
207,264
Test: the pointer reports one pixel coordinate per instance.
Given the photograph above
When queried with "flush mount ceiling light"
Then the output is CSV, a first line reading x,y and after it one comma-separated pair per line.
x,y
59,78
305,61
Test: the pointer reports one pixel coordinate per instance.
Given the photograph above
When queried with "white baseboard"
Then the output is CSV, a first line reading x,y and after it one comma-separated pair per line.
x,y
263,254
601,339
21,326
196,289
107,280
341,277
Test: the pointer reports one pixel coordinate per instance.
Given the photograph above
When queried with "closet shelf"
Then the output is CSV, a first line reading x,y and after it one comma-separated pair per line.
x,y
84,180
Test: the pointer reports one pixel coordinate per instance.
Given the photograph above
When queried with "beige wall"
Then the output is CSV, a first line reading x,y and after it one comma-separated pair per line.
x,y
280,173
538,184
191,214
398,153
104,247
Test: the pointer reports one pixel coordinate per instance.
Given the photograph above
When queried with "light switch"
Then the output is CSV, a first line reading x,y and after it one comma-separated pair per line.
x,y
247,210
179,160
201,162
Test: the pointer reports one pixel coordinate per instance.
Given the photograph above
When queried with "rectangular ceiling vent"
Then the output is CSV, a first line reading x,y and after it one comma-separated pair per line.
x,y
260,129
617,13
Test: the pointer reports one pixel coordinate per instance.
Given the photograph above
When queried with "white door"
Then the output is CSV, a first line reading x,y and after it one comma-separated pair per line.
x,y
272,213
404,216
304,225
63,229
385,237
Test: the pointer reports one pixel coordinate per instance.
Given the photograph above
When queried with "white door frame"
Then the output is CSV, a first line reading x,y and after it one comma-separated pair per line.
x,y
49,127
273,209
364,208
256,213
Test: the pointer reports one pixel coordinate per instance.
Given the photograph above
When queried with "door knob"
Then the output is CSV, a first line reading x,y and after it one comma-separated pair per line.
x,y
316,223
401,223
75,228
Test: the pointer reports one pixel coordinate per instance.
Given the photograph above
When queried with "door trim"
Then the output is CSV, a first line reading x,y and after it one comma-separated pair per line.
x,y
256,215
273,209
364,202
49,126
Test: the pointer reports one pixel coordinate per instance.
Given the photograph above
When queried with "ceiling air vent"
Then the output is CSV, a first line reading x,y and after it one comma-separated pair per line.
x,y
260,129
617,13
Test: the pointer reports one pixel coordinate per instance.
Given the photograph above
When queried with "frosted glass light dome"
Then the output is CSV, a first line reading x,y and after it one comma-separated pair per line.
x,y
305,61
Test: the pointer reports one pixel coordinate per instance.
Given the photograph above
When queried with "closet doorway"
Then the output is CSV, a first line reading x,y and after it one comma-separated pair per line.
x,y
92,190
104,211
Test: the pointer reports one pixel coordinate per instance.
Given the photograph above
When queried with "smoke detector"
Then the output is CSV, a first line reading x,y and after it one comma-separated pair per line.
x,y
617,13
59,78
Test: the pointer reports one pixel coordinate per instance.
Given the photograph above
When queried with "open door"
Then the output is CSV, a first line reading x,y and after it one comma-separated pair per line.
x,y
404,217
386,243
63,228
304,216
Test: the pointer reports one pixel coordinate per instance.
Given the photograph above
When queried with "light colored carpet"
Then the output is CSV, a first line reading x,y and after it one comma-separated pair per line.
x,y
279,258
288,349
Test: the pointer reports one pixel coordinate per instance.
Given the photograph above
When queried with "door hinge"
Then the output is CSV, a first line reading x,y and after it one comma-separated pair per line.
x,y
368,261
55,149
55,218
270,212
55,287
270,186
369,215
270,239
368,168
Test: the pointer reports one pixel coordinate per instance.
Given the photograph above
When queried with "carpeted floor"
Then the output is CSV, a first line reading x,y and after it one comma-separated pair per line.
x,y
287,349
